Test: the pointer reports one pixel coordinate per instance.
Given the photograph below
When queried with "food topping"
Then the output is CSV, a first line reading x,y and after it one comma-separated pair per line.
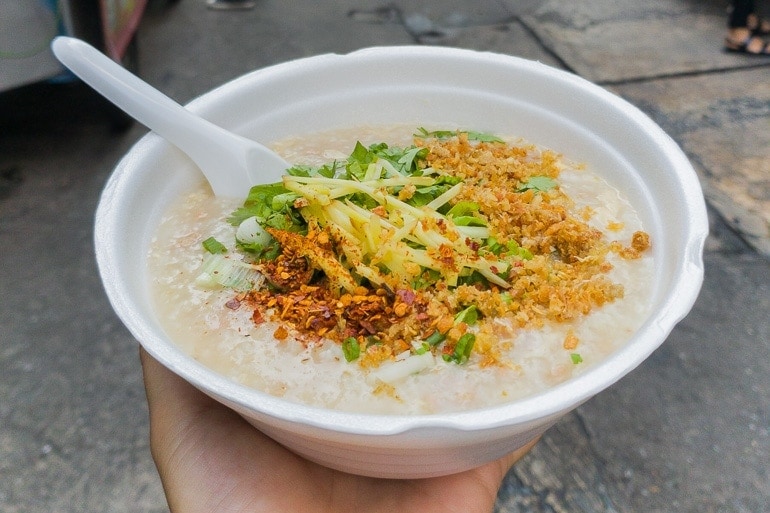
x,y
401,255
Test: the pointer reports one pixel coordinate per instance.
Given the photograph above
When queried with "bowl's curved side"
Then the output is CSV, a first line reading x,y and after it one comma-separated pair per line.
x,y
427,452
419,85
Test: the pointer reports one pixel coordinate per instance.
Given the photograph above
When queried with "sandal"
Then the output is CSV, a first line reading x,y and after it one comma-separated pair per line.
x,y
744,46
758,25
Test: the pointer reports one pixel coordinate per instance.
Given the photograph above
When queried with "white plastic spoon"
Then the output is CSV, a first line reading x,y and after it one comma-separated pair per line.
x,y
230,163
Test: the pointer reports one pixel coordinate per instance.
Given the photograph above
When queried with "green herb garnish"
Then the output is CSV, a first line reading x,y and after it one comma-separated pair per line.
x,y
469,316
272,205
538,184
462,349
510,249
351,349
446,134
435,338
213,246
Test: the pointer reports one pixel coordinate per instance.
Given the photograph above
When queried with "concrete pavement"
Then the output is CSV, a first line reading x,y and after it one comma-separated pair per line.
x,y
686,432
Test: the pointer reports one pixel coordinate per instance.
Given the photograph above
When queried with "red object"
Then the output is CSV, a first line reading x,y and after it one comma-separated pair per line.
x,y
120,19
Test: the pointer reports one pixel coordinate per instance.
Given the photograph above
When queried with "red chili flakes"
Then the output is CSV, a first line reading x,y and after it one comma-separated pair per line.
x,y
315,311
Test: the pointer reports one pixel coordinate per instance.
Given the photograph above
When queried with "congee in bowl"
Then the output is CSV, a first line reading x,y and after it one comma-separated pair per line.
x,y
436,272
468,246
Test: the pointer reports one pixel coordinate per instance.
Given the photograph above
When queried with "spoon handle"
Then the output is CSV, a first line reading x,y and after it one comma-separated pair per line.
x,y
226,159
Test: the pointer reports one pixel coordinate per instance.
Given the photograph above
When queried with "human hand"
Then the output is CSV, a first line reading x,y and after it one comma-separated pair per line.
x,y
211,459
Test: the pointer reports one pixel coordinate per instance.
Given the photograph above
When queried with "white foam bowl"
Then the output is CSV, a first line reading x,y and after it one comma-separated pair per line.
x,y
421,86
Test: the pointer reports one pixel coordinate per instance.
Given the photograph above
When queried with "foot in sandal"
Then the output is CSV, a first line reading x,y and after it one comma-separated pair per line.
x,y
757,25
742,40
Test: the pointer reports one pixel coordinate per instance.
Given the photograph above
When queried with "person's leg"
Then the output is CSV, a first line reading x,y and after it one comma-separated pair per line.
x,y
739,14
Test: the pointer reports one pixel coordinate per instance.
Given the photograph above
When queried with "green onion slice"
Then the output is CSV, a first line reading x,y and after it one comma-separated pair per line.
x,y
351,349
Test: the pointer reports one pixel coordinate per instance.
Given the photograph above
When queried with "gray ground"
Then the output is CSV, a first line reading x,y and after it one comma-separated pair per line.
x,y
686,432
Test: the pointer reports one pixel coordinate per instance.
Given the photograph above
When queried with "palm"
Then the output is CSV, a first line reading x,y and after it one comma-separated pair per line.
x,y
210,459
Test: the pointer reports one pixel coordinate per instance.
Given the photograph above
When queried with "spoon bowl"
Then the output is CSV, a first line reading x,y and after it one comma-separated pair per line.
x,y
231,163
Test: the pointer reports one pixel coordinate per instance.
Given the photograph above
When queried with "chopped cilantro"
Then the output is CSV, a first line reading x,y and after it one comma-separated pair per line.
x,y
272,205
404,161
446,134
260,251
576,358
509,249
410,157
537,184
327,170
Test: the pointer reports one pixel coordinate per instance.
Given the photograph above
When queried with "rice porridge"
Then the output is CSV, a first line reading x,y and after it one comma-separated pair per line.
x,y
444,271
